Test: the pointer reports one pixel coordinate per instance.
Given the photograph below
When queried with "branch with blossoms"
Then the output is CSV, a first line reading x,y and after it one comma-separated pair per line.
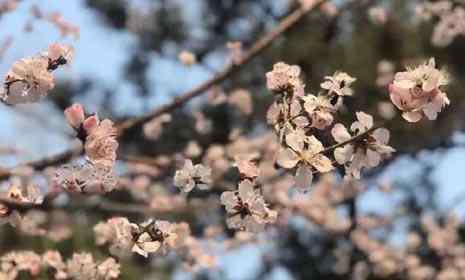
x,y
237,182
298,118
246,57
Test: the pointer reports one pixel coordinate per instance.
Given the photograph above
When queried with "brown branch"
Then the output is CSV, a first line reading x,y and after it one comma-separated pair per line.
x,y
259,46
105,206
230,69
351,140
46,162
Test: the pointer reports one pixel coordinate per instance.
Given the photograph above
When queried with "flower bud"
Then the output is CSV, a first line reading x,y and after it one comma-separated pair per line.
x,y
75,115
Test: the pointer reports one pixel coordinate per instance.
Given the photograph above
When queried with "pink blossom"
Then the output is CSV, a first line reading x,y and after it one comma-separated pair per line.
x,y
246,208
193,175
338,84
187,58
306,159
30,79
101,145
284,77
417,92
365,152
320,110
75,115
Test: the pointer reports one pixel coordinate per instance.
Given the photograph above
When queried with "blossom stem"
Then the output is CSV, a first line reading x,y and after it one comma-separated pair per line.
x,y
351,140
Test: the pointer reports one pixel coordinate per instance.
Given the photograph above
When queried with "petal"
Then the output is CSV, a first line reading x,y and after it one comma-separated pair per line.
x,y
273,114
150,247
314,145
253,224
412,116
365,119
322,163
287,158
296,108
303,177
301,121
381,135
235,222
373,158
340,133
229,200
344,154
310,103
246,191
140,251
295,140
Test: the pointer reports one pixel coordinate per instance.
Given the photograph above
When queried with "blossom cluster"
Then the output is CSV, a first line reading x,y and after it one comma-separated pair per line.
x,y
100,145
79,266
7,6
365,152
246,208
418,92
18,193
30,79
65,27
152,236
299,119
386,261
191,176
450,20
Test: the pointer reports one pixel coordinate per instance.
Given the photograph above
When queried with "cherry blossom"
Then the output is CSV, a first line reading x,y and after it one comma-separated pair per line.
x,y
246,208
83,266
101,145
284,77
15,262
64,26
75,116
321,206
366,151
385,71
246,165
418,92
242,100
7,6
29,194
160,237
338,84
86,178
192,149
320,110
449,27
148,237
193,175
80,266
118,232
154,128
30,79
305,153
378,15
187,58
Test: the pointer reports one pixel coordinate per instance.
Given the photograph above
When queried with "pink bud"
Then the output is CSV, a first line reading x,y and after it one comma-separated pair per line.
x,y
90,123
55,51
75,115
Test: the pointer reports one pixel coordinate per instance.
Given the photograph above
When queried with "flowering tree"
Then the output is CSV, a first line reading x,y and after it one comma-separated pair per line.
x,y
277,164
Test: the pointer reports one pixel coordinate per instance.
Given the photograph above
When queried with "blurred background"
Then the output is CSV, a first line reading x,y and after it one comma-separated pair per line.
x,y
126,64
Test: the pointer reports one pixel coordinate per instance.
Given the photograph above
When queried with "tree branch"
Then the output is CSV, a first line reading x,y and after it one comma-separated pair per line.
x,y
259,46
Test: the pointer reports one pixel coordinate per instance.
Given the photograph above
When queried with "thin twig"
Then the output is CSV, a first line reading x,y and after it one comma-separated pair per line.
x,y
259,46
351,140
